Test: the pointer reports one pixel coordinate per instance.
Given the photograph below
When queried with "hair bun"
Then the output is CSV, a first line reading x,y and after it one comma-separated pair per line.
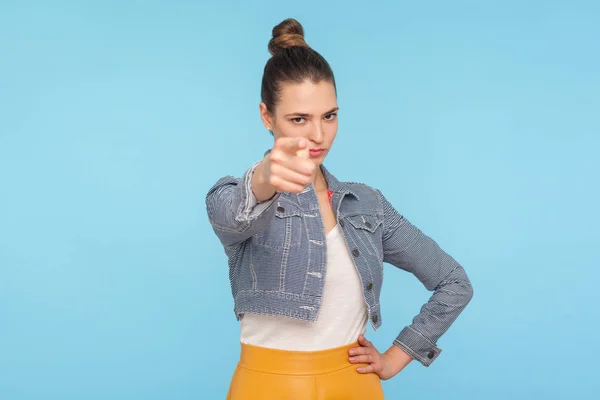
x,y
287,33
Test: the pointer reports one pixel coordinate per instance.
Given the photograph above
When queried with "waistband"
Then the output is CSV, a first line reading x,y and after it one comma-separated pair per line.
x,y
290,362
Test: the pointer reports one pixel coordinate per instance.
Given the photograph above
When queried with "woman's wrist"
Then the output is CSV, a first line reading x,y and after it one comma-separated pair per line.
x,y
261,188
398,359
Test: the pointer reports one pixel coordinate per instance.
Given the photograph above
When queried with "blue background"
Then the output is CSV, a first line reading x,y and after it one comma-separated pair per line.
x,y
478,120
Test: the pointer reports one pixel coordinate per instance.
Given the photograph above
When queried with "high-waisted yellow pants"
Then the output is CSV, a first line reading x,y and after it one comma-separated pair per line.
x,y
269,374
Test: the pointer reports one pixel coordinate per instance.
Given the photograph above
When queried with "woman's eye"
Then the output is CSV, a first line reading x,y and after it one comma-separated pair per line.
x,y
331,116
298,120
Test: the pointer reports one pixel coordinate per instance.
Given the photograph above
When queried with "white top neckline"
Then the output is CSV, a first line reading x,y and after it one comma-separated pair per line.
x,y
332,231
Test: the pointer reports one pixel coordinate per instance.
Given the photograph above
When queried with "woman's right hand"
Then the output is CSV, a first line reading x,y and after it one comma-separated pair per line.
x,y
287,168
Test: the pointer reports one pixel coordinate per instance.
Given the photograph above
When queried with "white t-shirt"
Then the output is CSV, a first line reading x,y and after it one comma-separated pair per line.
x,y
342,318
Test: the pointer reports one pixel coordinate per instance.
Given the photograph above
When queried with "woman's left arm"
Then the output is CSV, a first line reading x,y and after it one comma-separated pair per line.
x,y
407,247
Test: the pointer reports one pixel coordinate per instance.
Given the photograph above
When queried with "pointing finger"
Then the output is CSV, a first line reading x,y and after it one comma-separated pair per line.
x,y
292,144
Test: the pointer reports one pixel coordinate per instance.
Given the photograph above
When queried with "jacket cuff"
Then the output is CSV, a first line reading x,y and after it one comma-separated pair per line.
x,y
417,346
250,208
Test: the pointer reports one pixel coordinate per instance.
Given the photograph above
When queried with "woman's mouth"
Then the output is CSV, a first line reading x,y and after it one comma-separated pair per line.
x,y
316,152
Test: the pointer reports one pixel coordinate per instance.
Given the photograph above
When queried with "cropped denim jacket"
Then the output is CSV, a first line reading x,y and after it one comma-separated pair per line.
x,y
277,255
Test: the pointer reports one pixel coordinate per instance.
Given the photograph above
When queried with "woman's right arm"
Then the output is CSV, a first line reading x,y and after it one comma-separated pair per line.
x,y
239,208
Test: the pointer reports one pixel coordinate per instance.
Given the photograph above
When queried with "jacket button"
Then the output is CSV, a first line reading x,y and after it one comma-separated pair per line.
x,y
374,318
280,209
370,285
368,225
431,354
356,252
342,223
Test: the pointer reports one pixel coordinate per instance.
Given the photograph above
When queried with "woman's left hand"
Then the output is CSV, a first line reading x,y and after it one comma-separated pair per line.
x,y
381,364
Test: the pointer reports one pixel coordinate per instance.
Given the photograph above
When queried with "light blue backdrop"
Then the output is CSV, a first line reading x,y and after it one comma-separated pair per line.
x,y
478,120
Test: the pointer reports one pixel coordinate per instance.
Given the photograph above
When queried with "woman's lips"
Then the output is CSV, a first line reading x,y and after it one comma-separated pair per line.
x,y
316,152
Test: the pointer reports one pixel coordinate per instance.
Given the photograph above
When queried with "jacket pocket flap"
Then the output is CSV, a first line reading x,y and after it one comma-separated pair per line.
x,y
285,209
365,221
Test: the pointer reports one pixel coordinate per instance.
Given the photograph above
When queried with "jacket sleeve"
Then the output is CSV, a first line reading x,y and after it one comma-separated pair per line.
x,y
409,249
233,210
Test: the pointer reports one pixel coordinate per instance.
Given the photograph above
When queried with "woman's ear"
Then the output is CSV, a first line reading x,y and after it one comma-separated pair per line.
x,y
266,117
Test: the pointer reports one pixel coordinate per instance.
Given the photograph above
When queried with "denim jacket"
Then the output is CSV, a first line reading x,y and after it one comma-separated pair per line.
x,y
276,253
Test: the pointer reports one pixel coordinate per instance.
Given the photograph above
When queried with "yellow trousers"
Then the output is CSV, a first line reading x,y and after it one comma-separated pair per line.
x,y
269,374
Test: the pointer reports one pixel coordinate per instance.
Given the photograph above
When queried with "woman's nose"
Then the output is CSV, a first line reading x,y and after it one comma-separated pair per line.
x,y
317,134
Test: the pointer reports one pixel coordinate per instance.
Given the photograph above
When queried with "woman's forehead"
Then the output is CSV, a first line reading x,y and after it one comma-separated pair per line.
x,y
307,97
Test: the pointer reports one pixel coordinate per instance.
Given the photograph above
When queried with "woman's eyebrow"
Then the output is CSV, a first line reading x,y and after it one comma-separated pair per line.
x,y
305,115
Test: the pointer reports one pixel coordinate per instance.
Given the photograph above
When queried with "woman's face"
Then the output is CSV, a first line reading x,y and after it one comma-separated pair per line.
x,y
307,110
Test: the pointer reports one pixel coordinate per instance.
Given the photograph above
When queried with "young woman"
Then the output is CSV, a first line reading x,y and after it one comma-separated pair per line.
x,y
306,251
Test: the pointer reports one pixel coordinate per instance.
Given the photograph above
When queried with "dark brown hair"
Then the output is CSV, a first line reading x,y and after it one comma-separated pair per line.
x,y
292,61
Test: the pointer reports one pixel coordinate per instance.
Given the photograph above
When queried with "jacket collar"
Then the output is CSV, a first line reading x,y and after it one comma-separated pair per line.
x,y
335,185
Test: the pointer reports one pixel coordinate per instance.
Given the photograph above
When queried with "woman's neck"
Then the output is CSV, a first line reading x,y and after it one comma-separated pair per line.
x,y
319,181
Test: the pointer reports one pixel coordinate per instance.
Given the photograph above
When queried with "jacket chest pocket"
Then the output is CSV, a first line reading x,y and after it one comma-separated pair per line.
x,y
284,231
368,232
